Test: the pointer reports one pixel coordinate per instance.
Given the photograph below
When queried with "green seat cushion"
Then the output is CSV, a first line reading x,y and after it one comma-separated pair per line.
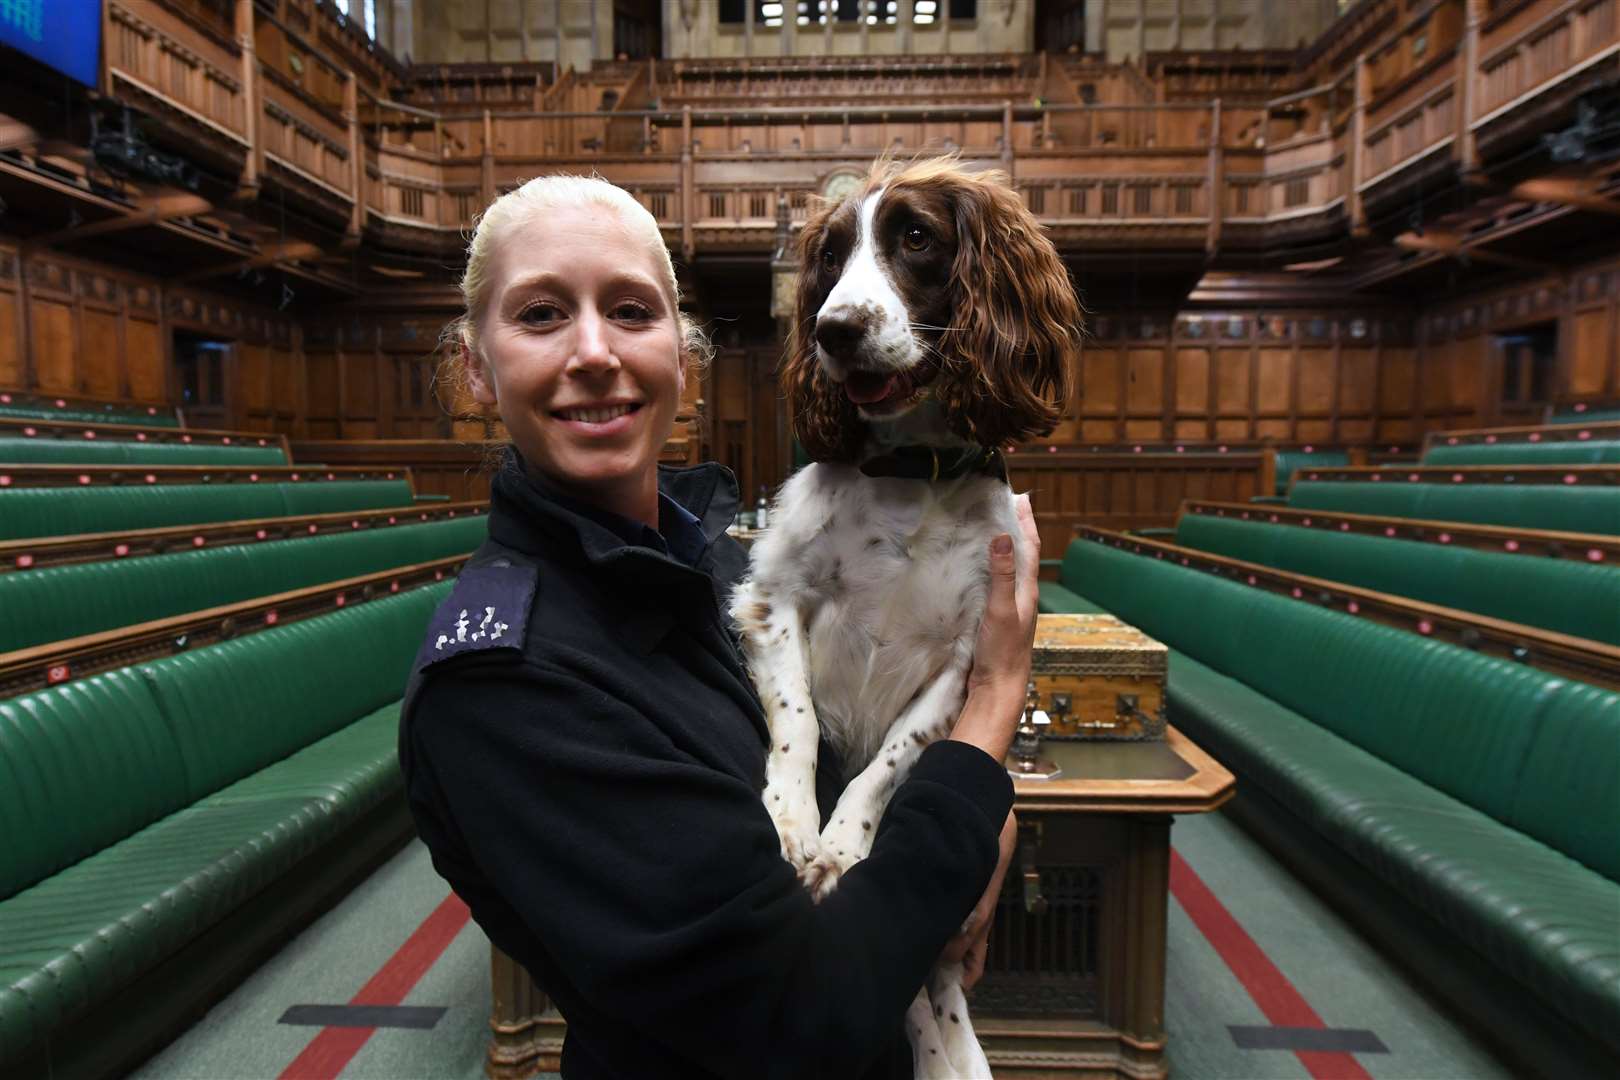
x,y
1591,452
58,602
1531,910
27,512
139,415
123,452
1056,598
240,705
82,765
1579,598
83,934
1561,507
1568,792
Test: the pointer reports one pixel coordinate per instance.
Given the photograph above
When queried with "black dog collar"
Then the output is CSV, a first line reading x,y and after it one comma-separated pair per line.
x,y
932,463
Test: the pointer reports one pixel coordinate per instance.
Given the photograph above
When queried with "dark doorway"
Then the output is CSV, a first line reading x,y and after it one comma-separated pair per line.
x,y
1529,364
1060,26
203,370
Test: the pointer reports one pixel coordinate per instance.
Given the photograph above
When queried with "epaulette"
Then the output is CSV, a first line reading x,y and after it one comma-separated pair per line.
x,y
487,610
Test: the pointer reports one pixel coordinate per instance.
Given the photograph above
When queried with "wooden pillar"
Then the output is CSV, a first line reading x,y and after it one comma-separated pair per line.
x,y
247,185
1007,162
1468,78
487,172
1217,180
1358,147
688,197
357,169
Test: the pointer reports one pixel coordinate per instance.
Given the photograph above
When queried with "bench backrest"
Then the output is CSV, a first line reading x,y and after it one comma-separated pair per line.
x,y
58,602
1579,598
1475,727
129,452
1560,507
1524,453
1289,460
87,763
110,414
58,511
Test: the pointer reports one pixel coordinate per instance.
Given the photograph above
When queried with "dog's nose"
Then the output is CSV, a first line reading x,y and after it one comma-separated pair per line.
x,y
839,333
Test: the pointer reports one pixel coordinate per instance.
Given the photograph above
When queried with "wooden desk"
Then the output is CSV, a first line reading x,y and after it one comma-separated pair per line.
x,y
1074,983
1073,989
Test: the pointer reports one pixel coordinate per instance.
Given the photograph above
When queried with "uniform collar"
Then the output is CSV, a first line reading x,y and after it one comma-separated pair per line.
x,y
696,505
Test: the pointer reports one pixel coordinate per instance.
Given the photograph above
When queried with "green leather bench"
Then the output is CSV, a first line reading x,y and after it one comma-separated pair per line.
x,y
1594,452
26,512
57,602
168,823
19,451
1290,460
40,410
1462,807
1564,508
1579,598
1590,416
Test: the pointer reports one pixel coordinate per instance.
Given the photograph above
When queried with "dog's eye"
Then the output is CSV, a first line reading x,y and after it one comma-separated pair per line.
x,y
917,238
829,260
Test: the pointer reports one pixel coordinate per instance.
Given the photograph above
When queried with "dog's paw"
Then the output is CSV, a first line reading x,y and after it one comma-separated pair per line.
x,y
801,844
821,877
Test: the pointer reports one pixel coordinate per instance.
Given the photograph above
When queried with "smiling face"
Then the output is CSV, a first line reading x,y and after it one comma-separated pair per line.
x,y
579,347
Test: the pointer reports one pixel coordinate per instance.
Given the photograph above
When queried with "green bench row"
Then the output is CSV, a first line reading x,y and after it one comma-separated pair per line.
x,y
1524,453
1462,804
23,451
1561,507
46,511
164,823
58,602
1579,598
135,414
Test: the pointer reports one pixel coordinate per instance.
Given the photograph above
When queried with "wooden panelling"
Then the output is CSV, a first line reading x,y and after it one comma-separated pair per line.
x,y
1134,491
102,352
360,385
1146,381
253,378
54,344
1317,383
11,348
1276,377
146,360
1358,380
1232,382
1591,352
1099,382
1192,380
1397,380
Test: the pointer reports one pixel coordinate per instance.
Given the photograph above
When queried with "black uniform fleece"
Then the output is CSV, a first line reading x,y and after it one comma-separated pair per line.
x,y
587,777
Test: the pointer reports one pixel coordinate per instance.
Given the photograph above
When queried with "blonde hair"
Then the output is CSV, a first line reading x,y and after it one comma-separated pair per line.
x,y
562,192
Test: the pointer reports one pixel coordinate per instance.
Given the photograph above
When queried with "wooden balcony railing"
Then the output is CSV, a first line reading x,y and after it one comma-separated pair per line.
x,y
1410,82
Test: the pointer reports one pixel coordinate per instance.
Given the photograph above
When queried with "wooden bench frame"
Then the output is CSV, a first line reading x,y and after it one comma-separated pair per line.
x,y
82,430
1521,475
1561,654
40,666
38,552
1497,539
45,399
73,476
1604,430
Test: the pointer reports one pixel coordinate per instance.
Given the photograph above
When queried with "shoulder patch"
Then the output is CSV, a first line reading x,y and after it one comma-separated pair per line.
x,y
488,609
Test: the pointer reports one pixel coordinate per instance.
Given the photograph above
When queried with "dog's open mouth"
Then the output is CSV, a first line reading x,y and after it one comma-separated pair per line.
x,y
877,389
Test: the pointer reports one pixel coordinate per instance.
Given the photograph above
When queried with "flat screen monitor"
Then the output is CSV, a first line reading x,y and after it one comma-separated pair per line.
x,y
65,34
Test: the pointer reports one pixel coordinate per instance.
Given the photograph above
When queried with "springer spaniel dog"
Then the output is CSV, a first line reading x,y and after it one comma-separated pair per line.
x,y
935,324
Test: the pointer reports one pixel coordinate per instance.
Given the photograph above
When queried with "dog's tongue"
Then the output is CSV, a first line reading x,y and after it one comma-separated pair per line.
x,y
865,387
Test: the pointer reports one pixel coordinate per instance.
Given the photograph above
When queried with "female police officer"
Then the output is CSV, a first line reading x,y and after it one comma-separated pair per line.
x,y
583,751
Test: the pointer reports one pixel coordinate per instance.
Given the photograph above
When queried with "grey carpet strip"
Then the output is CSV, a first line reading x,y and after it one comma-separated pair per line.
x,y
369,1016
1330,1040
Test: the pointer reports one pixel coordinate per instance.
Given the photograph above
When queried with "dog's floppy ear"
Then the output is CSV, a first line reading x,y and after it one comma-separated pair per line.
x,y
1011,364
824,420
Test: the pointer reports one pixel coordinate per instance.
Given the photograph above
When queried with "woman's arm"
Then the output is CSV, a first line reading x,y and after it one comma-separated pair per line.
x,y
655,884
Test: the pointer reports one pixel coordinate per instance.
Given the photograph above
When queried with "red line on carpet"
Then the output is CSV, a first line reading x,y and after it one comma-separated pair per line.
x,y
1282,1004
329,1052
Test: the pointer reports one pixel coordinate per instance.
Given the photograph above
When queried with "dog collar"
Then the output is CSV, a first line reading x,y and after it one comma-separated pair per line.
x,y
933,464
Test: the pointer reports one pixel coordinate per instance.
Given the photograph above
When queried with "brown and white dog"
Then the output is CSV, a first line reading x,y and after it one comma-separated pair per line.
x,y
935,324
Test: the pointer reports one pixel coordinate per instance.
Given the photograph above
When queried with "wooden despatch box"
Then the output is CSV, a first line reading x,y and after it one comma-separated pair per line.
x,y
1098,678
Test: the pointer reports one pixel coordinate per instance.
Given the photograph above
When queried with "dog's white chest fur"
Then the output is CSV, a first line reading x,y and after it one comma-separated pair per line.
x,y
890,581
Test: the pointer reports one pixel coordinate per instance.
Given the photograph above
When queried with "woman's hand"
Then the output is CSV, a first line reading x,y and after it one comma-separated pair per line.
x,y
1001,655
973,943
